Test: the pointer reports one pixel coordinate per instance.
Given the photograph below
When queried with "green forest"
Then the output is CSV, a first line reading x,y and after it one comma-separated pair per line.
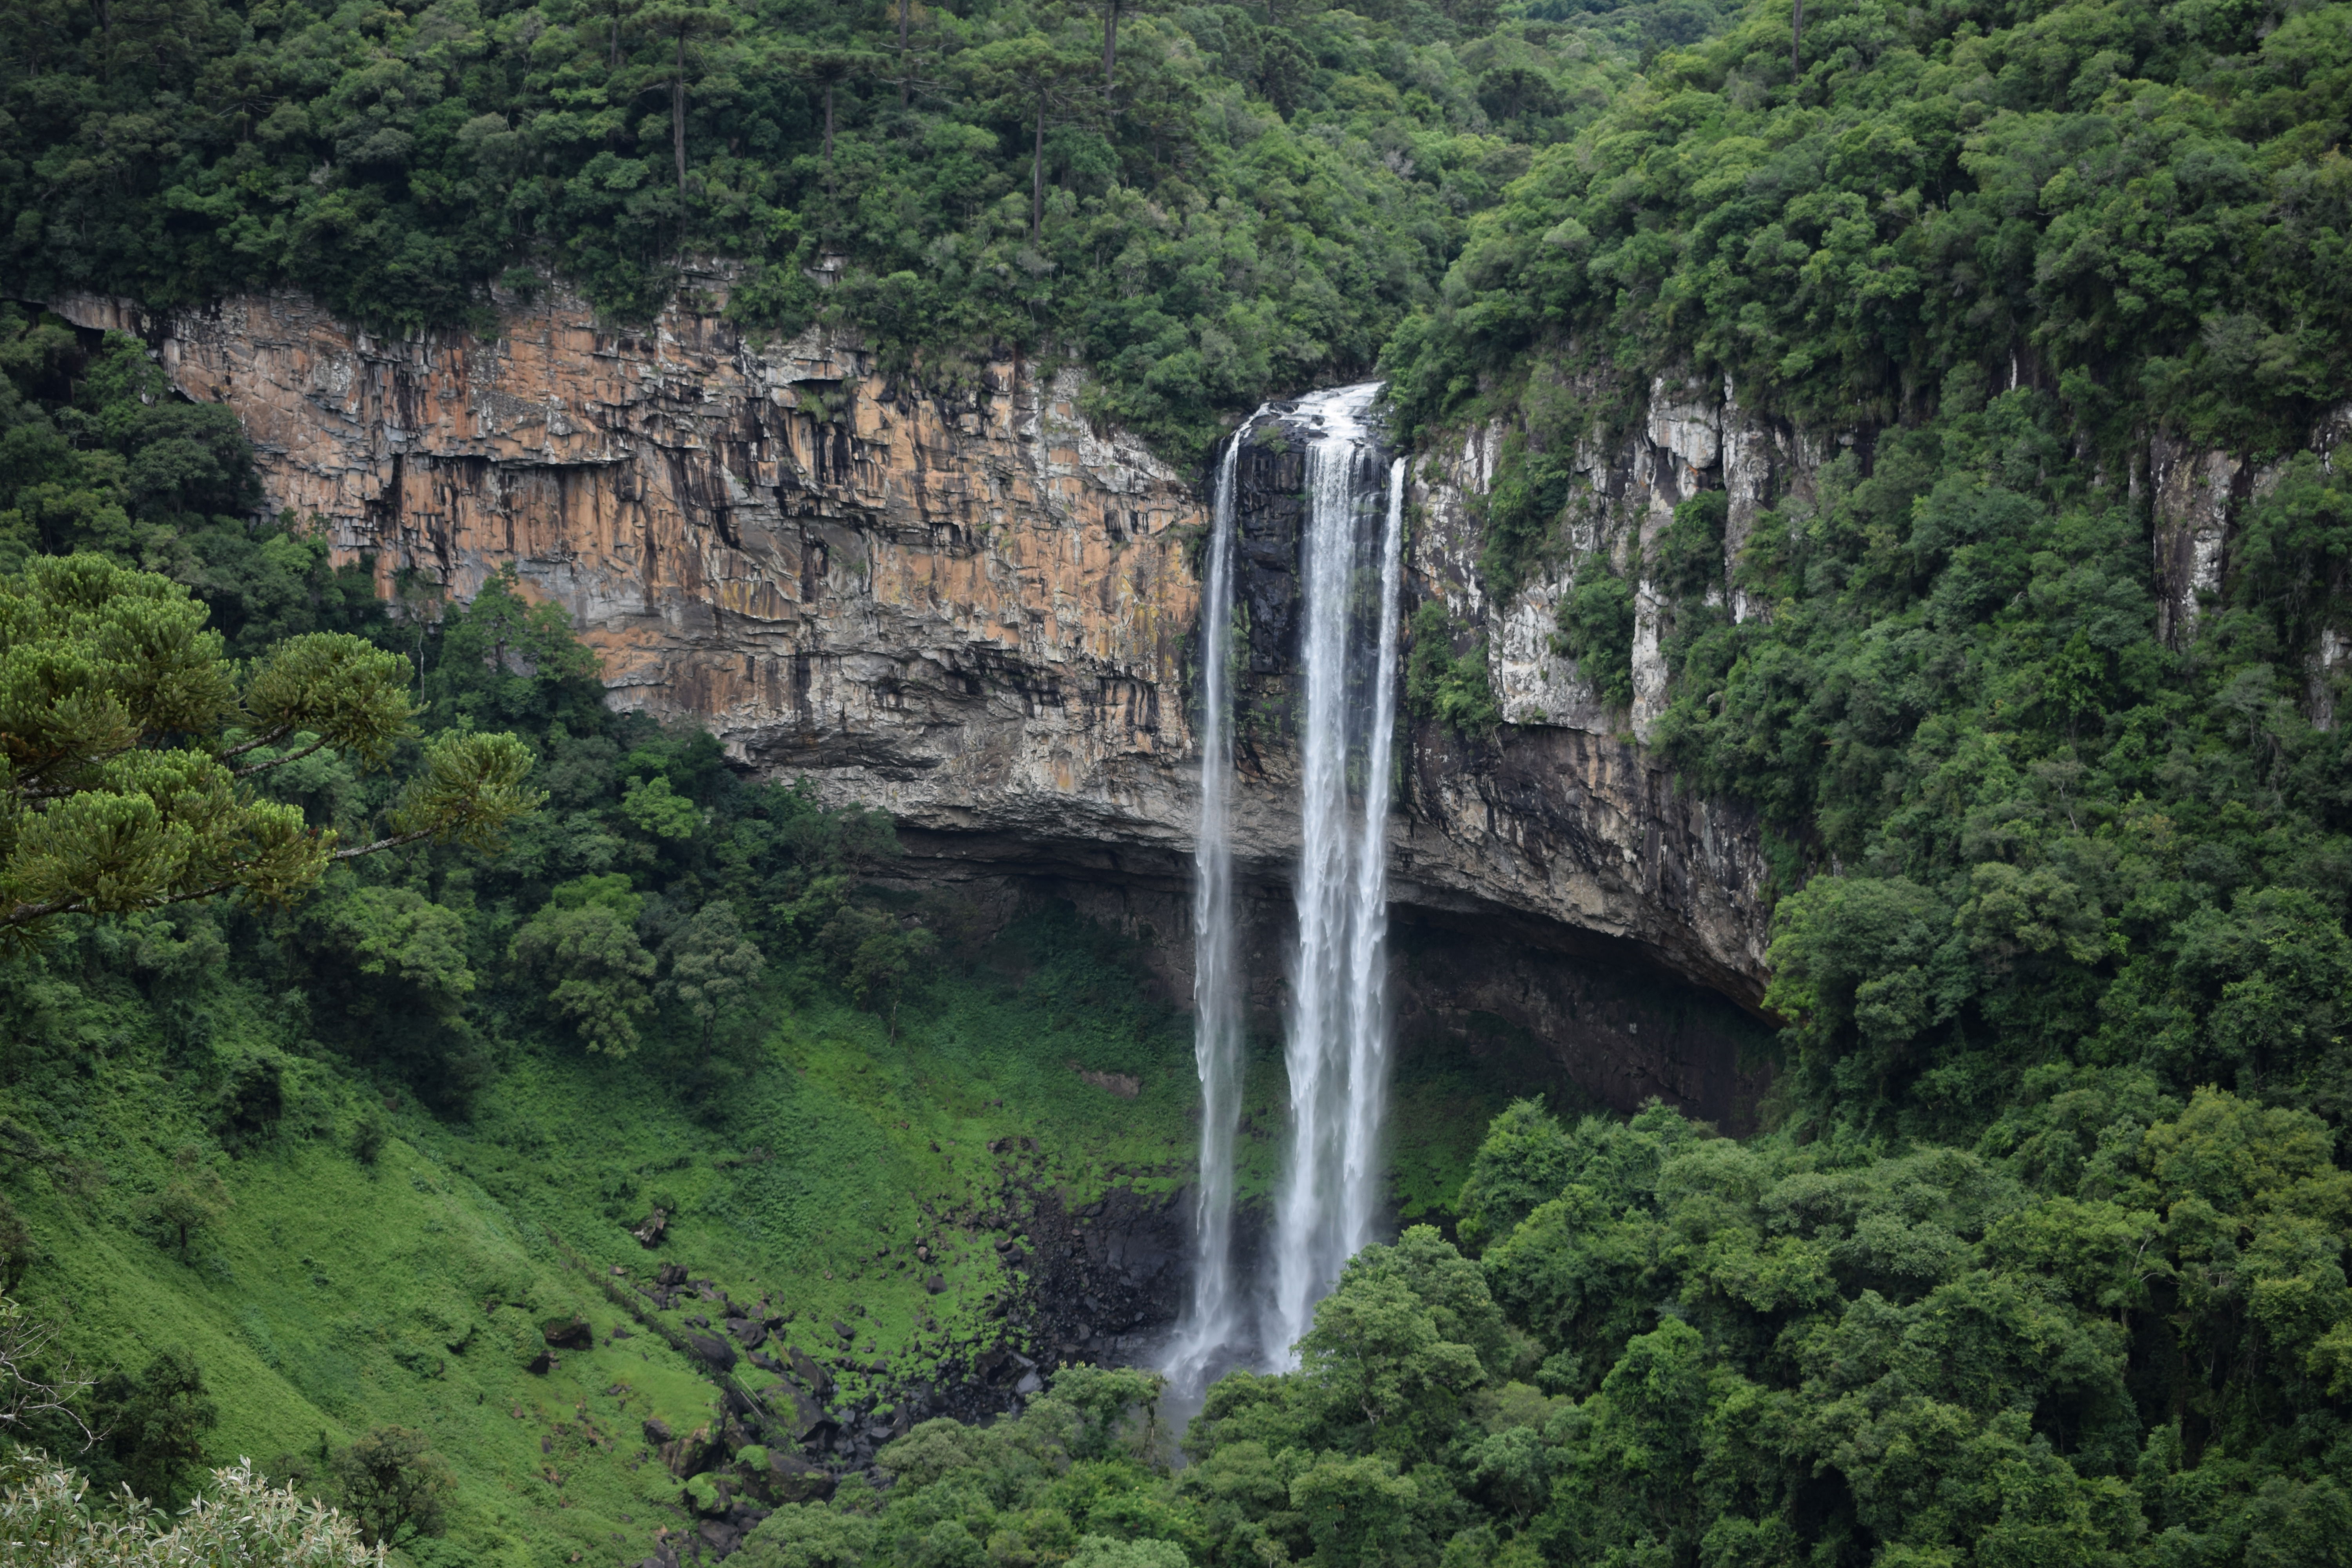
x,y
1203,203
2039,1257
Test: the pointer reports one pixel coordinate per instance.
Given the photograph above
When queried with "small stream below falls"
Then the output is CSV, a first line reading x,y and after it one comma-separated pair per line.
x,y
1244,1311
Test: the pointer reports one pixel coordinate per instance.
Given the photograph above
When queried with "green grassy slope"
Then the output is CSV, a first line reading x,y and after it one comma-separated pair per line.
x,y
333,1295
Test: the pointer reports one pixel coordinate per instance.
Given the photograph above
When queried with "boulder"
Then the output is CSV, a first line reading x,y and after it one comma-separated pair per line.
x,y
718,1353
794,1480
806,1367
568,1334
649,1233
658,1431
805,1415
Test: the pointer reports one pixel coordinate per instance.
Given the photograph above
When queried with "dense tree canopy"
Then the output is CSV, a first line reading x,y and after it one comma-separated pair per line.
x,y
2143,208
1681,1349
1246,205
2004,253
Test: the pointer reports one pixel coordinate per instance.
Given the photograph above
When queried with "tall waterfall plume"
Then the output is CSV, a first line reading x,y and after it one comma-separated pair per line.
x,y
1337,1049
1211,1318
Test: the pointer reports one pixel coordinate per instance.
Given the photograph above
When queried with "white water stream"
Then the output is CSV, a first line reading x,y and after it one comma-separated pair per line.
x,y
1336,1049
1212,1320
1350,575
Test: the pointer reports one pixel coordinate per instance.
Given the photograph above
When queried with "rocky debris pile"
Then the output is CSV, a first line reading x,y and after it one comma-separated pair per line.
x,y
1100,1278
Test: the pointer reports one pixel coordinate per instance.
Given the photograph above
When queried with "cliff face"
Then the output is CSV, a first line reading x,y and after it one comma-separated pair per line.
x,y
969,611
976,610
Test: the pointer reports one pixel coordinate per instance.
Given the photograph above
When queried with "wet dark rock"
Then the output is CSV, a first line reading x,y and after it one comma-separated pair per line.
x,y
798,1409
935,1284
1097,1278
806,1367
718,1353
792,1478
649,1233
658,1431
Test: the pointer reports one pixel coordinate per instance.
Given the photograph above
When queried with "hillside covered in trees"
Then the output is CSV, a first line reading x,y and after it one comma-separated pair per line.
x,y
1204,203
2040,1258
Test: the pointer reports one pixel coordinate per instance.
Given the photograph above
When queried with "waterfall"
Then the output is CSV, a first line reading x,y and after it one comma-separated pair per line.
x,y
1351,574
1210,1320
1337,1049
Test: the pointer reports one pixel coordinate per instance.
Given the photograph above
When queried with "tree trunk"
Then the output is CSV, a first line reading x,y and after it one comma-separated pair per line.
x,y
828,129
1111,42
1037,179
1796,41
906,78
678,114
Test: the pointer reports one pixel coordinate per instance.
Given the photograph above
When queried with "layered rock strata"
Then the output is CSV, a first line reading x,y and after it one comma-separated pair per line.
x,y
973,608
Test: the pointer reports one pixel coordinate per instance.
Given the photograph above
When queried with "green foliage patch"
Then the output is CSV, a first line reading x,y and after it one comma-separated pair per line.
x,y
1208,206
2141,208
1453,687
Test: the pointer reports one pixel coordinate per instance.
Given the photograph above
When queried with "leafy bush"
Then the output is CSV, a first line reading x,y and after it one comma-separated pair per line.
x,y
45,1517
154,1423
1596,630
393,1486
1454,688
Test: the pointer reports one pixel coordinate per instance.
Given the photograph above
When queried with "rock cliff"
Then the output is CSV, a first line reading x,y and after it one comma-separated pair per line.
x,y
975,609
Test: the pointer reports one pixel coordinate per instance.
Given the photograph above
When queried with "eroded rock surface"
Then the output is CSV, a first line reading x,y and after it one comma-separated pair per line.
x,y
973,609
969,610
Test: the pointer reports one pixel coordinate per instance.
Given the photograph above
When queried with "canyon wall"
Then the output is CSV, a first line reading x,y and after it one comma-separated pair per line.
x,y
976,610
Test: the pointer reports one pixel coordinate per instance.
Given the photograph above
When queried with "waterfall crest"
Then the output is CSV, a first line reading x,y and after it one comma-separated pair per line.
x,y
1211,1317
1337,1049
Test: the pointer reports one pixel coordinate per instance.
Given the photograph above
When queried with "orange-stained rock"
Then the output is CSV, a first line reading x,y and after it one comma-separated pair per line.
x,y
969,609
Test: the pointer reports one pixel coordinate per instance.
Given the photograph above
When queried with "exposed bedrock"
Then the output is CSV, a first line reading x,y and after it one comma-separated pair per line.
x,y
978,610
